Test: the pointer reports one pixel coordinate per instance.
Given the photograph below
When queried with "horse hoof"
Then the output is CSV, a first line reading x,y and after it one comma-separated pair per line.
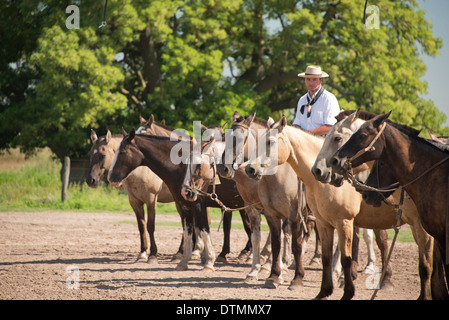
x,y
142,256
152,260
209,269
196,255
269,284
181,267
295,286
177,257
221,259
387,286
251,279
315,262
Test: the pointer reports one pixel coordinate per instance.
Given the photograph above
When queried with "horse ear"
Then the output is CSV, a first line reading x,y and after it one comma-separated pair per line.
x,y
270,122
235,116
124,132
93,135
250,119
356,114
280,125
142,120
108,136
221,128
203,128
150,121
206,143
163,122
131,135
378,120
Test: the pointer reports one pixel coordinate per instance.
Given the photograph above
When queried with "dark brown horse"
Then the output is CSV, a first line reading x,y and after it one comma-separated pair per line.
x,y
155,152
381,177
419,166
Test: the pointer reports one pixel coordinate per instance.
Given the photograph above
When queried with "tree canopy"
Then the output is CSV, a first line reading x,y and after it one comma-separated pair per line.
x,y
201,60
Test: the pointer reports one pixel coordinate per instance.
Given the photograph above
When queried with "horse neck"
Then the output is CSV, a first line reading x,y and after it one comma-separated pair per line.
x,y
157,157
157,130
304,150
408,157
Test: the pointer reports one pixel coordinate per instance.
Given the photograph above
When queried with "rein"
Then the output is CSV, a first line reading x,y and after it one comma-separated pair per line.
x,y
396,232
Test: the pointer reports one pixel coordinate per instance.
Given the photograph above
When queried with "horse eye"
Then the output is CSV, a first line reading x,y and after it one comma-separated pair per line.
x,y
337,139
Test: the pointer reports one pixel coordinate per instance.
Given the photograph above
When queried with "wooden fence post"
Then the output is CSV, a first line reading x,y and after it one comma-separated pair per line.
x,y
65,178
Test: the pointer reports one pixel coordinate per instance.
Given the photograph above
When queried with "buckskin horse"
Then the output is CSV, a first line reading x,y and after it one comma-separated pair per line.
x,y
348,122
420,167
278,193
154,152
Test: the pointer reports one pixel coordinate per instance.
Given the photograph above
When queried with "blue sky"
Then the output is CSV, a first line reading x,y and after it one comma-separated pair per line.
x,y
438,67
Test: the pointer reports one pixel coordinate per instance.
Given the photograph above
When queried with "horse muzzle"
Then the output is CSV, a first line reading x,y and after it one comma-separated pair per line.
x,y
189,194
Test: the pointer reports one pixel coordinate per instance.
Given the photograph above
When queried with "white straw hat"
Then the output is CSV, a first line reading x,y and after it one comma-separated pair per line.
x,y
313,72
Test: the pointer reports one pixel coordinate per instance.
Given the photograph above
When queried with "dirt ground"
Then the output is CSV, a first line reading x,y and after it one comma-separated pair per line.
x,y
42,253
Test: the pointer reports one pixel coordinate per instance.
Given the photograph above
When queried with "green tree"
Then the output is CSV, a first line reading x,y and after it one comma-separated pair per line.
x,y
200,60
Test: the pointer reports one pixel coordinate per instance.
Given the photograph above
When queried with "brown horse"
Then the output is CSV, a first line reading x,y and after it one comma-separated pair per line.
x,y
142,187
350,121
156,152
419,166
431,270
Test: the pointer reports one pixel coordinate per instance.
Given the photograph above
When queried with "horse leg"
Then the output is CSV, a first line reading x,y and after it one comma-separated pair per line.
x,y
139,211
382,243
247,227
254,217
202,219
187,241
345,232
317,256
439,290
151,209
337,275
368,237
287,244
297,241
227,219
326,232
275,278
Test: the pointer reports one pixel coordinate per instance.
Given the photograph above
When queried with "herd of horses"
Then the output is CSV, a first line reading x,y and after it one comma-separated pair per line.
x,y
316,185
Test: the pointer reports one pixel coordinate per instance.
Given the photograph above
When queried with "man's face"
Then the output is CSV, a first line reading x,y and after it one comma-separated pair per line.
x,y
313,84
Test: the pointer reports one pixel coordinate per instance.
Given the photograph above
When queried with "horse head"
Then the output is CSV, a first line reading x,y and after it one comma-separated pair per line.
x,y
364,145
273,148
236,152
127,158
335,138
201,169
101,156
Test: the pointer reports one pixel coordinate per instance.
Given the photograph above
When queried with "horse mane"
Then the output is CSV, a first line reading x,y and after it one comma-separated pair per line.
x,y
163,138
307,131
255,120
365,115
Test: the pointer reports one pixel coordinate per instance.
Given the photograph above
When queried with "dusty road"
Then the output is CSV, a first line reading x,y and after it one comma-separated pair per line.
x,y
42,252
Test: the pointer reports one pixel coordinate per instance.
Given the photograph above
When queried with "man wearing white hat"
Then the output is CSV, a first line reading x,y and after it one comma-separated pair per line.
x,y
318,108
